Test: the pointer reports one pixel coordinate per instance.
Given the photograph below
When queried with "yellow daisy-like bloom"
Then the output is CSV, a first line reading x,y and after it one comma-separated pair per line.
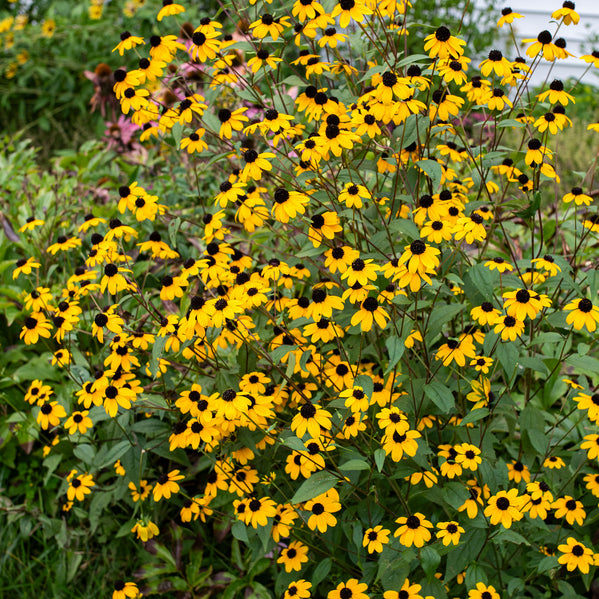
x,y
508,16
125,590
322,508
298,589
350,10
518,472
442,44
352,588
145,529
79,487
510,328
449,532
127,42
407,591
78,422
567,13
414,530
169,8
554,463
375,538
25,266
576,555
483,591
524,303
582,313
570,508
294,556
266,25
556,93
505,507
456,351
166,485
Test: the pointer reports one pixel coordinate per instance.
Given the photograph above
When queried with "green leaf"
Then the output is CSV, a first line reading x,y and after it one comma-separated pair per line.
x,y
85,453
433,169
474,416
396,347
547,563
393,570
353,465
318,483
116,452
239,531
321,571
471,544
99,501
440,395
157,349
429,560
379,459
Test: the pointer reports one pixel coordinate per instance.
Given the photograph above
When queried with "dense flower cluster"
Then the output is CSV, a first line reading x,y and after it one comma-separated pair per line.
x,y
341,343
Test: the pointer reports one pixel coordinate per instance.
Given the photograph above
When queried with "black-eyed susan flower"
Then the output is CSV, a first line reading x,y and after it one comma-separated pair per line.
x,y
575,555
523,303
145,529
128,41
495,63
36,325
25,266
591,445
310,419
375,539
350,10
124,590
259,511
78,422
556,93
571,508
169,9
582,313
518,472
407,591
141,493
456,351
294,556
592,483
80,486
298,589
554,463
352,589
468,456
352,195
567,12
31,224
267,25
442,44
483,591
166,485
508,16
322,509
498,100
510,328
370,312
413,530
505,507
63,244
50,414
449,532
288,204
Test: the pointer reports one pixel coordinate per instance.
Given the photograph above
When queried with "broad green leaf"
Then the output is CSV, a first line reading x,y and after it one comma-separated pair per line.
x,y
318,483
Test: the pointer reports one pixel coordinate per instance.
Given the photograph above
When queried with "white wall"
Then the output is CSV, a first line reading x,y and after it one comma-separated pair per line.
x,y
537,16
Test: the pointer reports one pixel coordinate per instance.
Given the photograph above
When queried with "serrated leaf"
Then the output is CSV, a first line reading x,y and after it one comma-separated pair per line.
x,y
433,169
